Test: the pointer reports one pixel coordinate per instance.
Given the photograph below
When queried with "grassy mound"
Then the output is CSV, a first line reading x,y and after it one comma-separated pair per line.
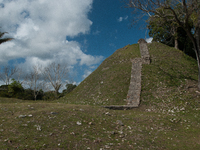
x,y
170,76
168,117
109,83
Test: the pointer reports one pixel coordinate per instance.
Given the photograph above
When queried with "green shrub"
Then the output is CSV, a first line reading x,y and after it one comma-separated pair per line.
x,y
69,88
4,91
49,95
40,95
15,89
28,94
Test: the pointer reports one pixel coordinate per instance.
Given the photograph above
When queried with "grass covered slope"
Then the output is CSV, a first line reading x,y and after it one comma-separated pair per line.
x,y
109,83
170,80
171,76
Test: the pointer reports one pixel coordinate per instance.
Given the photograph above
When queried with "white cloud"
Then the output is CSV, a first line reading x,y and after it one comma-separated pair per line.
x,y
40,28
120,19
97,32
149,40
87,73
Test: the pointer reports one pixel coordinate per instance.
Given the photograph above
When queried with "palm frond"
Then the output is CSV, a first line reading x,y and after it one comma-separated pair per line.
x,y
2,34
5,40
2,40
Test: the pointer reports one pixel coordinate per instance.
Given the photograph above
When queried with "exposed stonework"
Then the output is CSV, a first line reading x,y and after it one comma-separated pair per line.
x,y
133,96
144,51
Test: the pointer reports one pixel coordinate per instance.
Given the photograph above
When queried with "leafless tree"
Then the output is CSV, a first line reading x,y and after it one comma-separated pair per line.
x,y
35,81
183,12
7,72
20,76
55,74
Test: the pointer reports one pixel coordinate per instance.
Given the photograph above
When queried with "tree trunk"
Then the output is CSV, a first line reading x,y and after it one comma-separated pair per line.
x,y
57,87
196,43
35,96
199,75
56,93
176,43
175,35
197,51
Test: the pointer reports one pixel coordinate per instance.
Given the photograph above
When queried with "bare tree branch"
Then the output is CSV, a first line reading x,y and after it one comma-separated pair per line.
x,y
7,72
56,74
35,81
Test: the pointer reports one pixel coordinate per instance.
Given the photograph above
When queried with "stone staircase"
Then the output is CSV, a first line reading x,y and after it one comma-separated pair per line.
x,y
133,96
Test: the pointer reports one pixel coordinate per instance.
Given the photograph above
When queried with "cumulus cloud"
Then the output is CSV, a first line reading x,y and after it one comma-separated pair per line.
x,y
40,28
149,40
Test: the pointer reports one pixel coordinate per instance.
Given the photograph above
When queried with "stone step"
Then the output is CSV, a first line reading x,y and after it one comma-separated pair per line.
x,y
133,97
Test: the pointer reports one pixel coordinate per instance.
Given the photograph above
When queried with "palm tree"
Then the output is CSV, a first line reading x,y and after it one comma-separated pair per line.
x,y
2,40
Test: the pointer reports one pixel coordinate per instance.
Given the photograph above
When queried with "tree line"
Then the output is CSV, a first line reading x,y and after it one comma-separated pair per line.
x,y
41,83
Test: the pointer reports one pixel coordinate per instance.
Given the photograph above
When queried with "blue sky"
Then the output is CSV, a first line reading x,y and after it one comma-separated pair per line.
x,y
111,28
78,33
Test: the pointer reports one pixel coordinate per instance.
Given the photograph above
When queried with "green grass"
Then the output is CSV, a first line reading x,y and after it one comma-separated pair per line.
x,y
168,117
109,83
170,79
98,129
